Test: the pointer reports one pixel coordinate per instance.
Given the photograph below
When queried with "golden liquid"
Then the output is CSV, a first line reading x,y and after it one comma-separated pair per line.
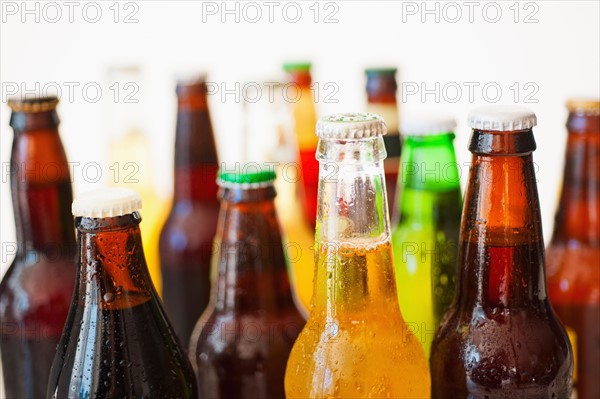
x,y
299,242
355,343
130,166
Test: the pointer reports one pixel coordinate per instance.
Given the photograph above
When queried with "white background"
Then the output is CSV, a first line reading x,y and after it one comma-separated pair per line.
x,y
556,53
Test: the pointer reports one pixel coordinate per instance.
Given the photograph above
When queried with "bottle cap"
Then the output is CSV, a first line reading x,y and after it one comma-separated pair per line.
x,y
502,118
296,66
370,72
585,106
351,126
38,104
252,177
427,125
106,202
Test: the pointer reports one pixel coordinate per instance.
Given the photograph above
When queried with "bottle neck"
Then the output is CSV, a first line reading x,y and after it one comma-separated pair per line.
x,y
428,169
252,272
578,217
112,268
502,255
196,162
352,235
41,186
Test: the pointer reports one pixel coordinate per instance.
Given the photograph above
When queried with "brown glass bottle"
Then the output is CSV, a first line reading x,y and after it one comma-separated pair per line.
x,y
381,97
186,239
501,338
36,291
574,252
241,344
117,342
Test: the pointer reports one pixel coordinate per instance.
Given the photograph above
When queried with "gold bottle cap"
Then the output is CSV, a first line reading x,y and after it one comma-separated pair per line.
x,y
38,104
586,106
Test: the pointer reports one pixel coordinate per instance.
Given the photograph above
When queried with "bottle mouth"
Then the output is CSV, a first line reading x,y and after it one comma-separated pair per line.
x,y
36,104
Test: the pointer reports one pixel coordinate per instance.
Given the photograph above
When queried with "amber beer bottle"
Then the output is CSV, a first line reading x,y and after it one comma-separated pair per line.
x,y
500,338
574,252
355,343
186,238
381,97
241,344
36,290
117,342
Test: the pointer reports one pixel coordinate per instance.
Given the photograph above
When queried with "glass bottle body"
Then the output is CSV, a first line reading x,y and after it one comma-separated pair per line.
x,y
355,343
242,341
425,237
574,251
36,290
500,337
187,235
117,341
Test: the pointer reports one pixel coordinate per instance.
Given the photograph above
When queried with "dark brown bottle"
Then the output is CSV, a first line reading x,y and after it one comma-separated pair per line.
x,y
117,342
241,344
36,291
186,238
500,338
574,252
381,97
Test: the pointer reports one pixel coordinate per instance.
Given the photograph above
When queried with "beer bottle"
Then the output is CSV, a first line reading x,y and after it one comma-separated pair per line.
x,y
574,252
241,343
501,338
299,93
355,343
381,100
36,290
186,238
425,237
117,342
131,162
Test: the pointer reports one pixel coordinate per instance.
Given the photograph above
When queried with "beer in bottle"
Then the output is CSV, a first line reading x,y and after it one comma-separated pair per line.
x,y
355,343
117,342
500,338
425,237
299,93
36,290
574,251
381,100
241,343
131,162
186,238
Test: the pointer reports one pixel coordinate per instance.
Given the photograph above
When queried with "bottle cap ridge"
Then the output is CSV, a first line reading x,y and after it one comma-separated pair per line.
x,y
37,104
427,125
502,118
106,202
351,126
586,106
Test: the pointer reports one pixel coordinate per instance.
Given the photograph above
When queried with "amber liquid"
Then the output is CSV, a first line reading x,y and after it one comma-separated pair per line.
x,y
356,344
122,352
35,294
504,342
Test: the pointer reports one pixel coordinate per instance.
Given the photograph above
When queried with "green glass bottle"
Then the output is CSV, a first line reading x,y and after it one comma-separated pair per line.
x,y
426,224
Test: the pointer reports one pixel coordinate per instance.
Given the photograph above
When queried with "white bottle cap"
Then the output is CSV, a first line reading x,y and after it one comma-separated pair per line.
x,y
351,126
427,125
106,202
502,118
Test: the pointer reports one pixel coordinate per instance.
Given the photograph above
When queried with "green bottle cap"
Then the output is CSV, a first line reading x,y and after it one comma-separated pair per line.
x,y
250,176
296,66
